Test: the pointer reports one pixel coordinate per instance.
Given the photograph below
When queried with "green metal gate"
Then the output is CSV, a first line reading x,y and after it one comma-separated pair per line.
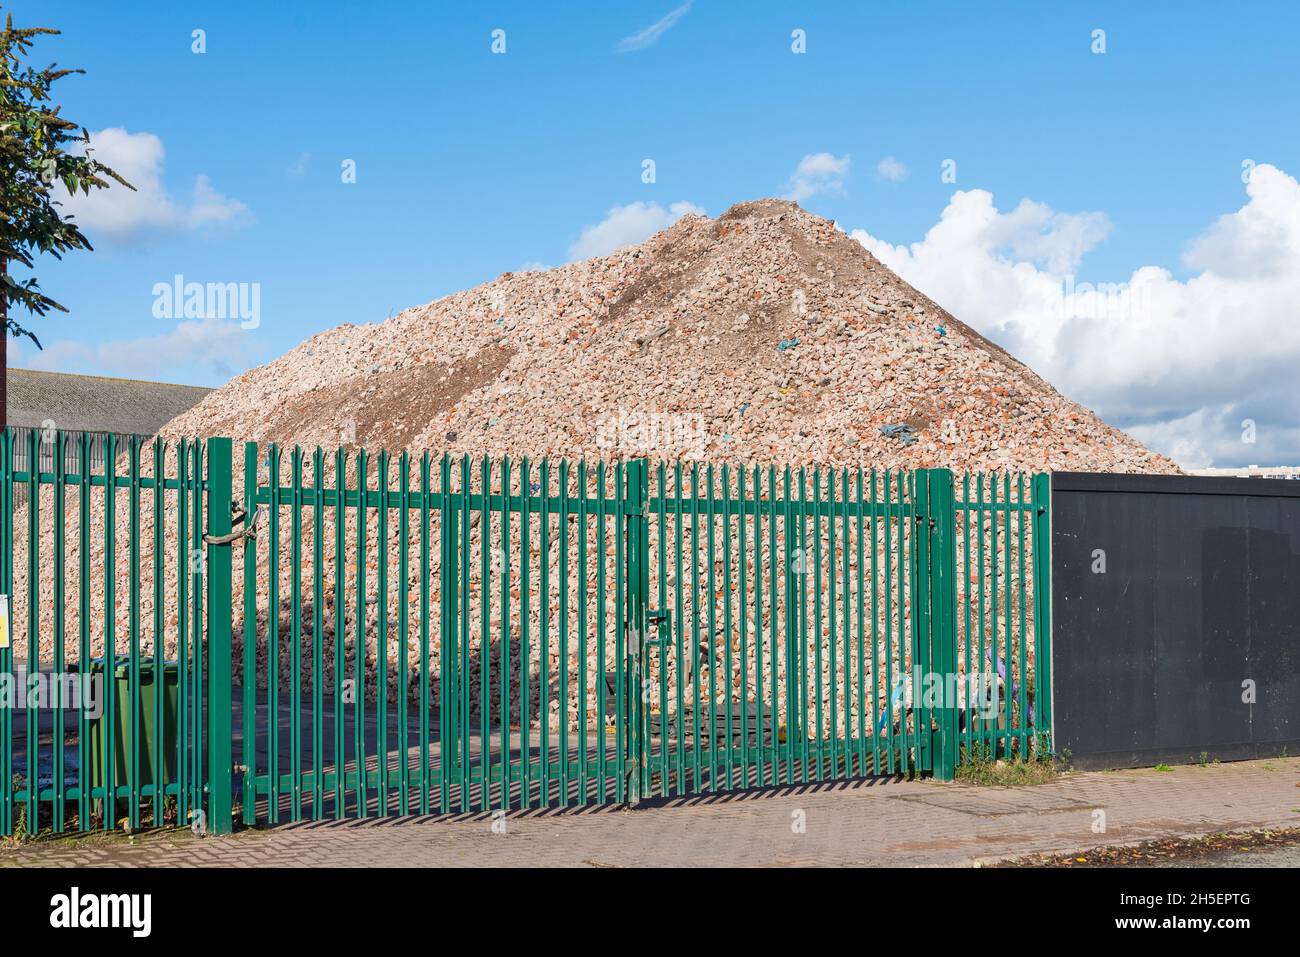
x,y
429,635
110,582
405,630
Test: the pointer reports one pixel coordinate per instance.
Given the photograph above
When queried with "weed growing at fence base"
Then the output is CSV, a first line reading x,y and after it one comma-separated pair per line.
x,y
21,831
980,767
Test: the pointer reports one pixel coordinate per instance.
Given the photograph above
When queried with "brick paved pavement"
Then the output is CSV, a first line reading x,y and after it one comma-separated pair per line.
x,y
864,823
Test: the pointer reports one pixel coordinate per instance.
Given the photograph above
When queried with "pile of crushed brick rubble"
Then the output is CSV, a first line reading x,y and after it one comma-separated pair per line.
x,y
765,336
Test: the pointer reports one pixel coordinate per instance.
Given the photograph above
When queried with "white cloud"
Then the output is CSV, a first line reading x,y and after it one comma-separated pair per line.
x,y
1180,364
651,34
627,225
1260,239
818,173
1056,241
121,214
891,169
1184,439
201,351
210,207
299,168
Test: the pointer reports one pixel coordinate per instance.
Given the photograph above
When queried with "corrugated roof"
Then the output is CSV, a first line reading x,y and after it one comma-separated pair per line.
x,y
96,403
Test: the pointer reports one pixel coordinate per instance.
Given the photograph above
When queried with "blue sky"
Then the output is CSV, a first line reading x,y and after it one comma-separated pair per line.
x,y
470,163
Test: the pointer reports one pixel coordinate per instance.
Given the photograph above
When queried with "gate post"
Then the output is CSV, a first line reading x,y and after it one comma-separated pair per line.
x,y
219,597
1041,543
943,619
248,722
922,654
638,587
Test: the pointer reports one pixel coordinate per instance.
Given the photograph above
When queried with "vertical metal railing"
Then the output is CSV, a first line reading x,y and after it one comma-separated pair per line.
x,y
766,674
1002,537
102,592
8,779
429,635
474,717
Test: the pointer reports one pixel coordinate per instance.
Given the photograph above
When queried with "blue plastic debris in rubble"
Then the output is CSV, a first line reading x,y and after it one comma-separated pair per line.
x,y
903,433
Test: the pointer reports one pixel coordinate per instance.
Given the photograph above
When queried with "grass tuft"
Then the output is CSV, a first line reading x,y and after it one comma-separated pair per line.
x,y
982,768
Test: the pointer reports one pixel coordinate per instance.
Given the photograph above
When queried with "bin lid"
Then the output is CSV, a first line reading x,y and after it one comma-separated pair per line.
x,y
122,669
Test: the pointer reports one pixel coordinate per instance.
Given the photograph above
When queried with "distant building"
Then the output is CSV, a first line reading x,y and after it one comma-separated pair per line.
x,y
96,405
1252,471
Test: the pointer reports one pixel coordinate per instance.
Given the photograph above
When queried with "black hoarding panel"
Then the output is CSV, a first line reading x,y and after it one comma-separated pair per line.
x,y
1175,618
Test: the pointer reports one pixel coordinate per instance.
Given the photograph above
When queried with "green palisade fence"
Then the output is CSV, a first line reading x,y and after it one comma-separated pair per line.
x,y
65,763
425,634
1003,627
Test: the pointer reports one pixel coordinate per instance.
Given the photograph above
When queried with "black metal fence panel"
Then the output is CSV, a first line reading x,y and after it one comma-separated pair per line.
x,y
1176,618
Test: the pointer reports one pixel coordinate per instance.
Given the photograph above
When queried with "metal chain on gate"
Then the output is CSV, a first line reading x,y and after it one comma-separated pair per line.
x,y
237,516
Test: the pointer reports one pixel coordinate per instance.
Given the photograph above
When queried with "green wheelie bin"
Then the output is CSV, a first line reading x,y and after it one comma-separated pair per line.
x,y
145,708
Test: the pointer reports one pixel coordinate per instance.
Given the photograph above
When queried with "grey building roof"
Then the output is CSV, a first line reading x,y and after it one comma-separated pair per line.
x,y
95,403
